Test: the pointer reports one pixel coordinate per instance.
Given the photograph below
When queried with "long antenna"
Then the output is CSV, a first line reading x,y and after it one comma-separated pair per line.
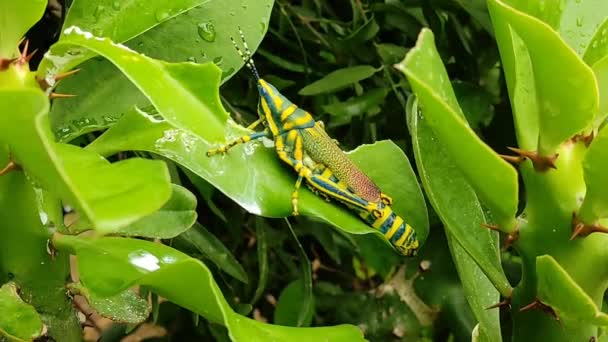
x,y
246,56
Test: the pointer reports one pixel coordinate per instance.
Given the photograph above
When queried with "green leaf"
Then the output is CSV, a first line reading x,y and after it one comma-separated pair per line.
x,y
496,181
557,289
175,217
598,47
23,255
182,280
16,17
180,97
262,253
266,188
98,107
457,205
338,79
390,53
109,196
289,306
124,307
122,20
595,164
478,9
572,90
343,112
214,250
600,68
19,321
476,104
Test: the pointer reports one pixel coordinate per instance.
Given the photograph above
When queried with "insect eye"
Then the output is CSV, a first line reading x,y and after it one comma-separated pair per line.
x,y
377,213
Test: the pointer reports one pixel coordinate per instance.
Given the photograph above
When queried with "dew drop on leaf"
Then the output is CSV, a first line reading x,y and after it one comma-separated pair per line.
x,y
206,31
161,15
218,60
192,59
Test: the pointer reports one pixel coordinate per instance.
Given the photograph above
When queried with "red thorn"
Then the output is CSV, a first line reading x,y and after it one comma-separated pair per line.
x,y
513,159
580,228
541,163
502,303
66,74
586,139
511,238
59,96
5,62
24,58
490,226
10,166
537,304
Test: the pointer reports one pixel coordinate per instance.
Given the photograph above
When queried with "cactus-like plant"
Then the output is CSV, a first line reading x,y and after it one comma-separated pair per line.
x,y
555,61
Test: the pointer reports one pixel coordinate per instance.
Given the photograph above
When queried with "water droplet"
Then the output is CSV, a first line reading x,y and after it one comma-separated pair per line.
x,y
203,54
116,5
579,22
161,15
244,6
206,31
192,59
262,27
218,60
232,14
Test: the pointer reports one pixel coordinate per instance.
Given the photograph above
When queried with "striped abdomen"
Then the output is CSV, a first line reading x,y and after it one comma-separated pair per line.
x,y
322,149
376,214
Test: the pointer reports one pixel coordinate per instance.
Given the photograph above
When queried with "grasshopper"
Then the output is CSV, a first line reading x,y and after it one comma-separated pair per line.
x,y
302,143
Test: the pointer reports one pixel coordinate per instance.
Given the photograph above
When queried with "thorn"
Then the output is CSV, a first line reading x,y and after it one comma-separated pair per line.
x,y
516,160
24,58
10,166
29,57
490,226
59,77
511,238
4,63
580,228
586,139
502,303
541,163
59,96
537,304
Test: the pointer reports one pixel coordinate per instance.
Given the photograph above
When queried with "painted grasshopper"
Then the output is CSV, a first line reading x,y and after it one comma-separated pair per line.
x,y
304,145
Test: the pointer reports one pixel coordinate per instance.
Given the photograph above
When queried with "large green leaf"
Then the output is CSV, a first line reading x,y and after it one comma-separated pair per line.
x,y
554,91
195,118
124,307
517,66
494,180
473,247
109,196
39,277
203,34
174,218
182,280
338,79
598,48
16,17
19,321
557,289
214,250
595,164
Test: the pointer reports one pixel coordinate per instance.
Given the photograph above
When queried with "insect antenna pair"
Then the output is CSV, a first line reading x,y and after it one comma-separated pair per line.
x,y
246,56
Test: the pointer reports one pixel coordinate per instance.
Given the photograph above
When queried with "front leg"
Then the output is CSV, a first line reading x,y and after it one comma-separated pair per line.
x,y
290,150
246,138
